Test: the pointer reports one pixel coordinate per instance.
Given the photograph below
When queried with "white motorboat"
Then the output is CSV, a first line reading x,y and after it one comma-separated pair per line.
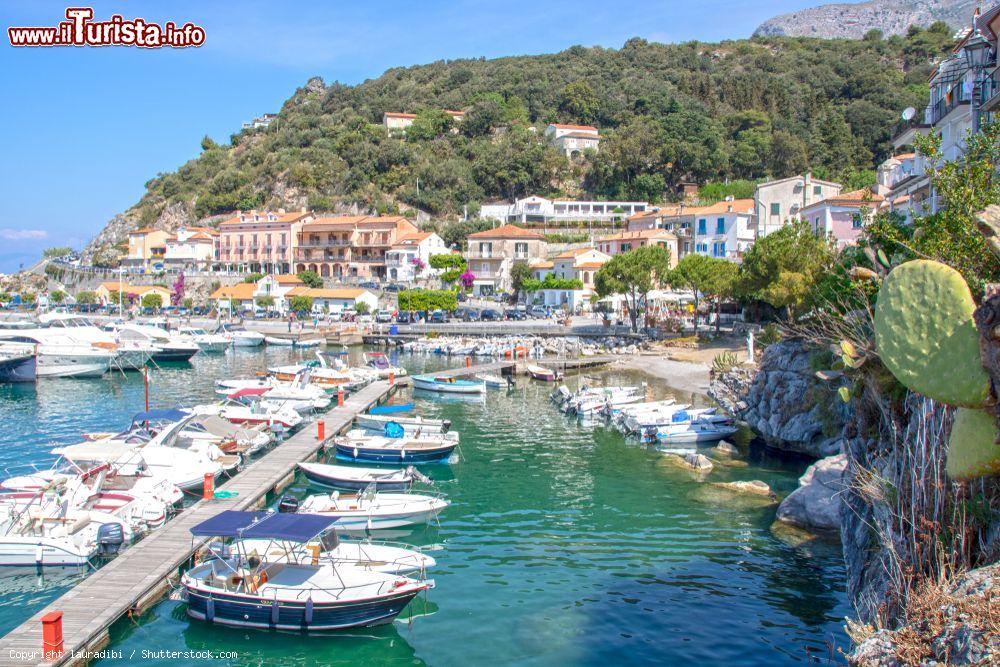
x,y
606,394
41,536
59,355
129,354
299,394
252,413
492,381
448,385
373,510
207,342
168,347
234,439
379,361
412,425
702,430
330,550
357,478
240,336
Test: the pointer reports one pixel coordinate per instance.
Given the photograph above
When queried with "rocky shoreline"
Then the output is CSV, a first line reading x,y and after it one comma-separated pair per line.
x,y
792,410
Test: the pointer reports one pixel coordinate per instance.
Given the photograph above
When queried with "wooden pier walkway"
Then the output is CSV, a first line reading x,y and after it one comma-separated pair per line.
x,y
143,573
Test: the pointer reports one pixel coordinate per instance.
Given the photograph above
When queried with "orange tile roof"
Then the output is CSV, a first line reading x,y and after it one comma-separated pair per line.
x,y
590,265
640,234
454,113
414,237
582,135
397,114
333,293
239,292
281,217
861,197
573,252
561,126
541,264
905,156
288,279
507,232
145,230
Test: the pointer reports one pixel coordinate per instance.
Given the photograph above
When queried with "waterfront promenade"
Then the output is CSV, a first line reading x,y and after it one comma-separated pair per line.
x,y
143,573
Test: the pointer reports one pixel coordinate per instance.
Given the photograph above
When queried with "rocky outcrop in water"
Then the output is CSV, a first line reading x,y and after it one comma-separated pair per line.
x,y
853,20
815,505
784,401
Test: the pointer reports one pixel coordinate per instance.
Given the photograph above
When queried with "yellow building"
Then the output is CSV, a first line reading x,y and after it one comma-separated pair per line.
x,y
146,246
107,293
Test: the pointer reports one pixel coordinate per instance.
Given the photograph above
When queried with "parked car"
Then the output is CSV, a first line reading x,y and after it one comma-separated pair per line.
x,y
490,315
472,315
383,317
538,311
368,284
514,314
403,317
394,287
439,317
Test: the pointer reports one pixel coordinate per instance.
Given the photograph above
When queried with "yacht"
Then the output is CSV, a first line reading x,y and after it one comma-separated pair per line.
x,y
60,355
240,336
130,355
208,342
167,347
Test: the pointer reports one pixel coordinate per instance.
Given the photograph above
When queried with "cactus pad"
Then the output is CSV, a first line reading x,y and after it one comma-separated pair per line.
x,y
926,335
973,451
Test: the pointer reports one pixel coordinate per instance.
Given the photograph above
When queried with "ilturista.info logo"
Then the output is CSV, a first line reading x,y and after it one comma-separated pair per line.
x,y
81,30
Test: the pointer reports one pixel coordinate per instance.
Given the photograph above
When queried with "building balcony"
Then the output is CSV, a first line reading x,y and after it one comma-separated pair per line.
x,y
907,132
989,94
945,106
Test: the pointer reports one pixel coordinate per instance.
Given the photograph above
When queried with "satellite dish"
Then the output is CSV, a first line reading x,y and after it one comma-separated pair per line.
x,y
909,113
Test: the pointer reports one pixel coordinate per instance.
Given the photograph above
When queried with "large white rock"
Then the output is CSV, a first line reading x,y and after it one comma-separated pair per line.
x,y
815,505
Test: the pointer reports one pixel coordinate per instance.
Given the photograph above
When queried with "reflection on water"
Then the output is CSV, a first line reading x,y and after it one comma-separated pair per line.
x,y
565,544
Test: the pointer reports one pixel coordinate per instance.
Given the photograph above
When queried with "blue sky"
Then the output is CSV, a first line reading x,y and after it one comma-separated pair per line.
x,y
83,129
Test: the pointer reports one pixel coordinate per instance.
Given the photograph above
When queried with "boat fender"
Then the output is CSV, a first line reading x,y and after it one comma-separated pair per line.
x,y
309,611
355,452
398,583
210,609
402,453
274,612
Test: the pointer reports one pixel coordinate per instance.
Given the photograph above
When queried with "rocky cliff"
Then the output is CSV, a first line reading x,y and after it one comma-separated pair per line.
x,y
852,21
784,402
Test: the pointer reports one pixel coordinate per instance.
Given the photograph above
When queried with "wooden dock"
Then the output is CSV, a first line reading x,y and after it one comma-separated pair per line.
x,y
144,572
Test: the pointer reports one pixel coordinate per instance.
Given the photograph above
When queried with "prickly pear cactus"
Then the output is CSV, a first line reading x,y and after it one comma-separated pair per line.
x,y
972,450
926,335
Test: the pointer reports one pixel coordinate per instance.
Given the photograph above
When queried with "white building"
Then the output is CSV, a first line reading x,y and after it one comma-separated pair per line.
x,y
725,229
539,209
902,182
578,263
572,140
260,121
277,288
401,260
336,299
395,121
778,202
191,247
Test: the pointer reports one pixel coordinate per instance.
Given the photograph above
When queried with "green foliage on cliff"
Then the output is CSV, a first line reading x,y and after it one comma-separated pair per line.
x,y
744,109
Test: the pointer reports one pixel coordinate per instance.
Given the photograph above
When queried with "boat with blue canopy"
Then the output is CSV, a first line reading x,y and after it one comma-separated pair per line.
x,y
254,589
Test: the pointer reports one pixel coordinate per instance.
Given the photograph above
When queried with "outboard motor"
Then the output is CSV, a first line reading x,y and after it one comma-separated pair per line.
x,y
110,538
510,382
288,504
417,475
445,425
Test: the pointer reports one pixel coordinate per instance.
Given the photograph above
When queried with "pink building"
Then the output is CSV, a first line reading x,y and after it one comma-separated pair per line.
x,y
621,242
844,216
260,240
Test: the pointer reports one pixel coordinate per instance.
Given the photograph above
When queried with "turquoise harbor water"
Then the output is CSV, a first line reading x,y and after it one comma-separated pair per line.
x,y
564,544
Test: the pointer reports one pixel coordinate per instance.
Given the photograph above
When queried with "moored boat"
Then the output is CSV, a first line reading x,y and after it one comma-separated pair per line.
x,y
542,373
249,591
412,425
404,450
373,510
448,385
357,478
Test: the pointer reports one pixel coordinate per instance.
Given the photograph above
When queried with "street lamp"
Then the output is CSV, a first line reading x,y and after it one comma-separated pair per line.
x,y
976,52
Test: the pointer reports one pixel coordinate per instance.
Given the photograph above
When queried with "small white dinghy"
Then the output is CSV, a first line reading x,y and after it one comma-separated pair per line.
x,y
358,478
329,549
410,425
492,381
373,510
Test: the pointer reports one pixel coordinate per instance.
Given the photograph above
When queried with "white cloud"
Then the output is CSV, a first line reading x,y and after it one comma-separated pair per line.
x,y
22,234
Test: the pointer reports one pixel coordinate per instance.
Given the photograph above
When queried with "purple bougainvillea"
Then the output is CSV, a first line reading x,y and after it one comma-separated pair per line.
x,y
467,279
177,296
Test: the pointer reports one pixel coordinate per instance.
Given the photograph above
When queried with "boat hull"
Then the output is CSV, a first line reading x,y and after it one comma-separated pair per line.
x,y
175,353
244,611
349,452
43,551
332,482
21,369
447,388
56,365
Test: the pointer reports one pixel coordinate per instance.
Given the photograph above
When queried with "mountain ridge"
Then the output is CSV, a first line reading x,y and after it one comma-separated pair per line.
x,y
854,20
